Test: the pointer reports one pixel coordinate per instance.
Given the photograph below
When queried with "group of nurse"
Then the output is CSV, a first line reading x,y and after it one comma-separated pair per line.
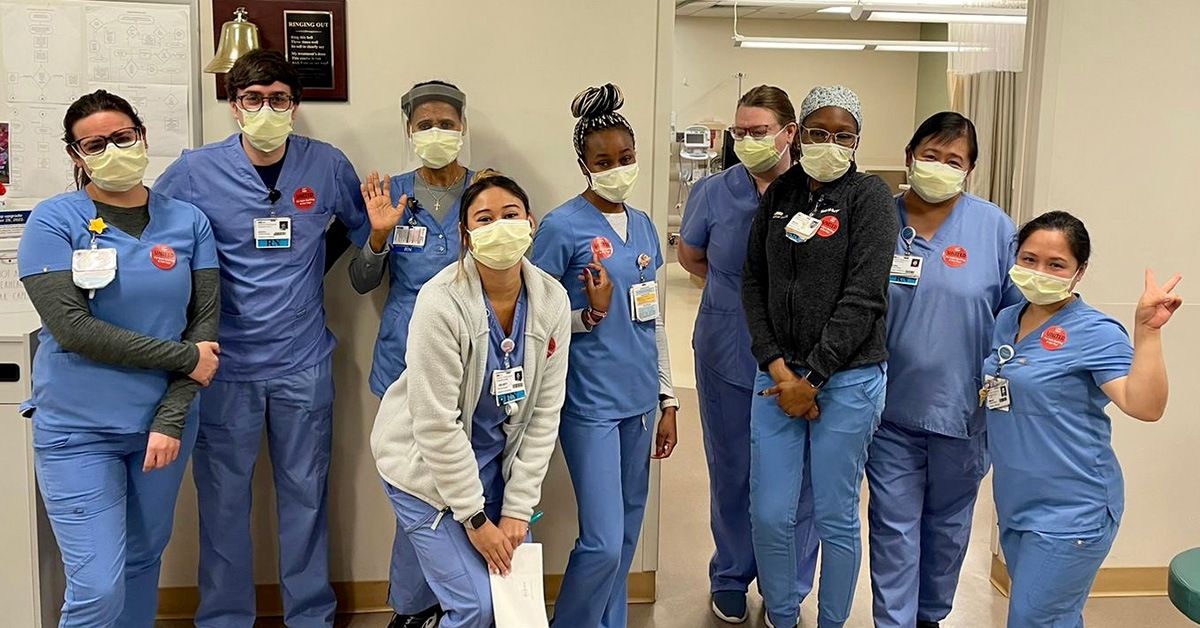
x,y
917,339
214,279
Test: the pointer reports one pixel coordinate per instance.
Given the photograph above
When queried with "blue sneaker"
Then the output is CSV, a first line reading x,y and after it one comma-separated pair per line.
x,y
730,606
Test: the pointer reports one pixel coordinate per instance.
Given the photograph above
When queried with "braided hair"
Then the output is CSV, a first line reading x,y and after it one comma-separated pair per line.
x,y
596,108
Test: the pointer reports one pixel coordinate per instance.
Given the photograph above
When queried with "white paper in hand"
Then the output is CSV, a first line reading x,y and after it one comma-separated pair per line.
x,y
519,599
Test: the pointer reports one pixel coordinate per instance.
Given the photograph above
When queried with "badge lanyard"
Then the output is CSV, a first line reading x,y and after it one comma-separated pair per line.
x,y
507,345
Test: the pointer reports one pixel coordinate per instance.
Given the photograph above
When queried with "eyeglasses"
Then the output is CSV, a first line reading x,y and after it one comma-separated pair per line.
x,y
96,144
757,132
253,101
821,136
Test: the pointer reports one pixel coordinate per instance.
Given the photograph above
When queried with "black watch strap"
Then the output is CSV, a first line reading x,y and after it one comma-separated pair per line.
x,y
815,379
477,520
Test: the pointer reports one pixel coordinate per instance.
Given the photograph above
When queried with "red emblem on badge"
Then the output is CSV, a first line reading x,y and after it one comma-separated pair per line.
x,y
829,226
550,349
954,256
1054,338
304,198
601,247
163,256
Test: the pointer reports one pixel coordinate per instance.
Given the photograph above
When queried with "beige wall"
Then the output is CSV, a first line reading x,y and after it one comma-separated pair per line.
x,y
933,95
1115,139
520,63
706,64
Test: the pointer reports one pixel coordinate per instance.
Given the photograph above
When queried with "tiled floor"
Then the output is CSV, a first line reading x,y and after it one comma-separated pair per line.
x,y
686,542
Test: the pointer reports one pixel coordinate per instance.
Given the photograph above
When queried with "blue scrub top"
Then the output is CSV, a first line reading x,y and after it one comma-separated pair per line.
x,y
409,269
272,301
940,330
717,221
487,425
1055,467
72,393
613,371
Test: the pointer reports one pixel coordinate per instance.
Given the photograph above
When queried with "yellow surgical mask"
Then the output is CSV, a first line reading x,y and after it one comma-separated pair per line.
x,y
935,181
437,147
267,129
1041,288
118,169
758,155
826,162
615,185
501,244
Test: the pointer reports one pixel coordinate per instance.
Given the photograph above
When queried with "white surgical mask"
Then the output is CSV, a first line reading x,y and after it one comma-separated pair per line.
x,y
826,162
118,169
437,147
616,184
267,129
758,155
1040,288
501,244
935,181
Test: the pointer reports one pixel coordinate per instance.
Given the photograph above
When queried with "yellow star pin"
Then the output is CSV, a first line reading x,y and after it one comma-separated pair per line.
x,y
97,226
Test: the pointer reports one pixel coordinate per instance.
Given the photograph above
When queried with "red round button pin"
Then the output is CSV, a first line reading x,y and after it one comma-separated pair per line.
x,y
1054,338
304,198
955,256
601,247
163,256
829,226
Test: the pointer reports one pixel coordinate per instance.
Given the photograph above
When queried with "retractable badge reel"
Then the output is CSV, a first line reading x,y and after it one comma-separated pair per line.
x,y
643,296
906,269
94,268
995,388
508,385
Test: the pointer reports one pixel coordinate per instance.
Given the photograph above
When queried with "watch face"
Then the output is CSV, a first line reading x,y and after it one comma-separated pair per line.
x,y
477,520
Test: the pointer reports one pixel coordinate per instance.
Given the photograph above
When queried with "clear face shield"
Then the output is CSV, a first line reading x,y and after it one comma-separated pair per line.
x,y
435,133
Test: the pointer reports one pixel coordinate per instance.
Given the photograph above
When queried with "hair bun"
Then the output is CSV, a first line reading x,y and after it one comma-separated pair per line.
x,y
486,173
594,102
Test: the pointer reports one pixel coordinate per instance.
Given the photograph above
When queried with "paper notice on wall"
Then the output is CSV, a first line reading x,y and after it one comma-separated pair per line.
x,y
137,44
12,292
519,599
43,52
40,165
164,111
4,157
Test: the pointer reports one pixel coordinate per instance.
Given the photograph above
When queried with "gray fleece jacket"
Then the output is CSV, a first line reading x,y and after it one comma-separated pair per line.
x,y
422,434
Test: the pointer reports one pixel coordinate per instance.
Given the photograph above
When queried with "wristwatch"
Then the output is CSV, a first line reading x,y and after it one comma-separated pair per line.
x,y
814,379
477,520
665,402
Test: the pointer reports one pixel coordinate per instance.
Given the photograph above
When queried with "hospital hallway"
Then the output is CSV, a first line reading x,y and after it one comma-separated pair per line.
x,y
686,544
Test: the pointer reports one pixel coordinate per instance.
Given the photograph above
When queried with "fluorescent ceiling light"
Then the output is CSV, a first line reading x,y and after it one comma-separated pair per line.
x,y
792,43
928,47
797,44
839,10
947,18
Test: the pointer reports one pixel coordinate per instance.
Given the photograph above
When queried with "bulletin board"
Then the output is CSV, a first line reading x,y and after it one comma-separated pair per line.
x,y
53,52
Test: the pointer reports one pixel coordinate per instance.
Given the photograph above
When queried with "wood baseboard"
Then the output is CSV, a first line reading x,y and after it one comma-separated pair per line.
x,y
1110,582
365,597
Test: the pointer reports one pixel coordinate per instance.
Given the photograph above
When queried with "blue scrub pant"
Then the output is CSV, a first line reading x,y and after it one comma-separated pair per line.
x,y
1052,574
408,591
453,568
780,447
297,412
923,489
609,463
112,521
725,418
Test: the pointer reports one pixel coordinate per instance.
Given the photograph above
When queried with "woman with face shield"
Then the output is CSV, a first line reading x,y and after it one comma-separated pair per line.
x,y
126,283
463,438
414,226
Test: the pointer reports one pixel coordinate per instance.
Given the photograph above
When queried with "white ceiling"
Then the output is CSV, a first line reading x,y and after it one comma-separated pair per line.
x,y
807,10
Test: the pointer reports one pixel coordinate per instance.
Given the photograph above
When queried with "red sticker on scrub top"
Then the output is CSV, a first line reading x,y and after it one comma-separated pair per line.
x,y
1054,338
601,247
829,226
163,256
304,198
954,256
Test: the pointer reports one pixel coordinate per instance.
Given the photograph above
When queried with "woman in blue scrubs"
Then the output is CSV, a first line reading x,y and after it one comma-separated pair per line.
x,y
464,437
949,280
815,293
716,224
414,225
606,254
1056,363
126,282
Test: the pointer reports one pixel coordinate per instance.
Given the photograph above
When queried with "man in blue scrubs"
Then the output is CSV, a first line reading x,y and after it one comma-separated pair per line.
x,y
270,197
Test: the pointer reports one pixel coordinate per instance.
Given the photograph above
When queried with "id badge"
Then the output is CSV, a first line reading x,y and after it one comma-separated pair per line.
x,y
93,268
409,238
997,393
802,227
508,385
906,270
273,233
643,301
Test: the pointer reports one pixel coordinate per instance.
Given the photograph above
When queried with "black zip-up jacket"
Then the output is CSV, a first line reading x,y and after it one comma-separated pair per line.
x,y
821,304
